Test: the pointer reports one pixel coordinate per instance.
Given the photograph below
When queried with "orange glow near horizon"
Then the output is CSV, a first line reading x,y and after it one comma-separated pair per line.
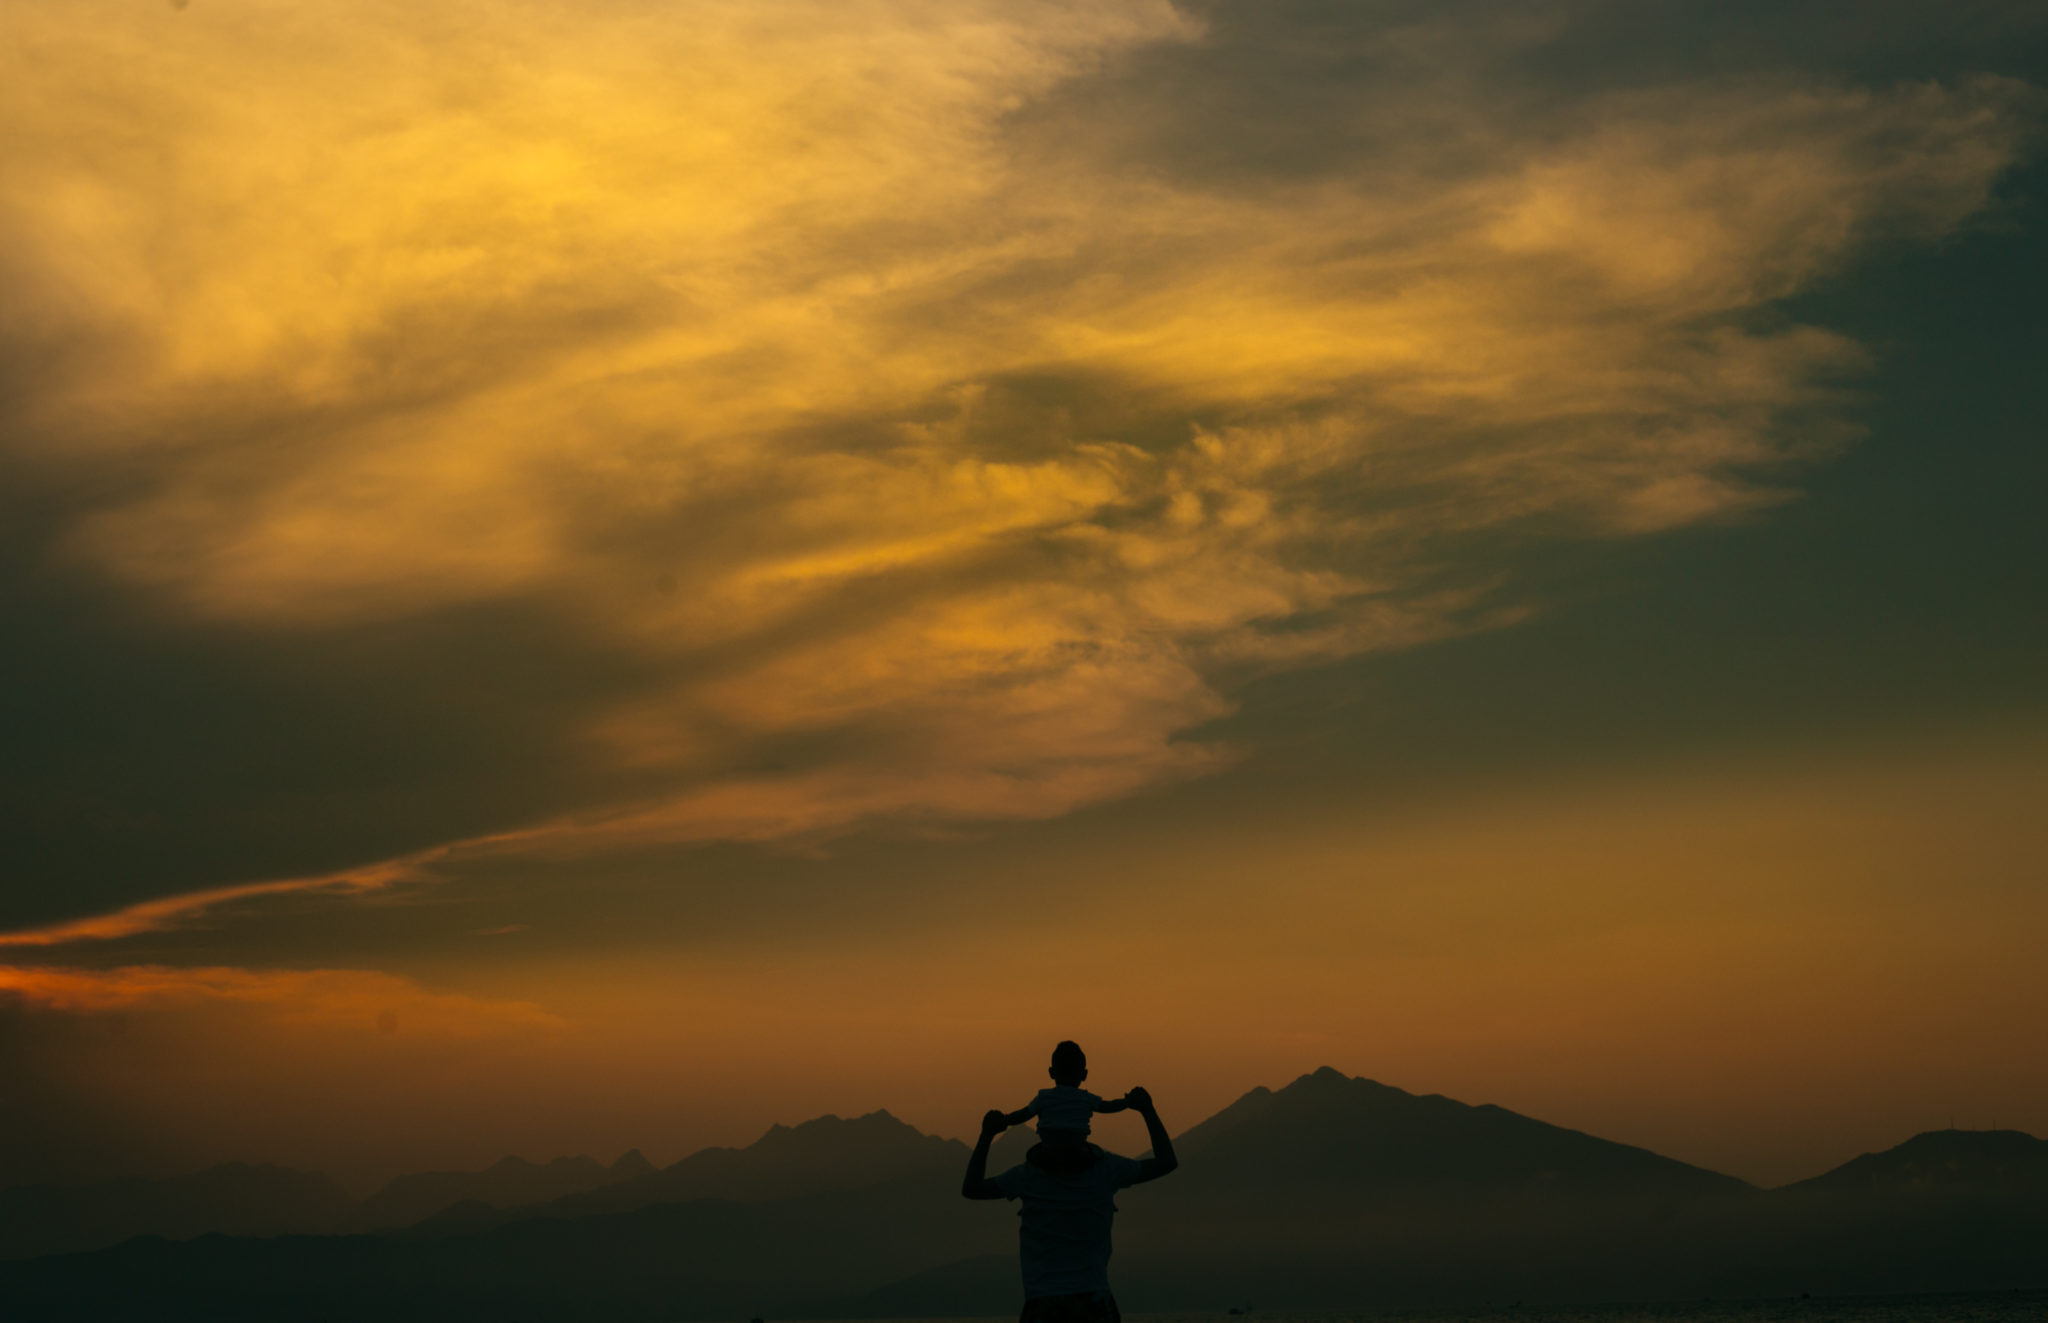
x,y
1565,953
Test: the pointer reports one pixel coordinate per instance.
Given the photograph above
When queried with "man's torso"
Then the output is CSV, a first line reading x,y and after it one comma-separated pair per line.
x,y
1064,1232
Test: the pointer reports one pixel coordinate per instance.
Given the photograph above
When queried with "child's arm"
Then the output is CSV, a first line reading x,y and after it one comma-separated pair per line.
x,y
1110,1104
1022,1114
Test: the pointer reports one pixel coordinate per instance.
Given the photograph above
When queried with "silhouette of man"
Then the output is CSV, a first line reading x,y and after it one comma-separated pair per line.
x,y
1068,1187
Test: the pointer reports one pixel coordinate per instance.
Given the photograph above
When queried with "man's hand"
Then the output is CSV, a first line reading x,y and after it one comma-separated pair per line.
x,y
1140,1100
993,1123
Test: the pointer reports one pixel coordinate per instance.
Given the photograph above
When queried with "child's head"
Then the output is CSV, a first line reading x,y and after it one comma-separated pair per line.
x,y
1069,1065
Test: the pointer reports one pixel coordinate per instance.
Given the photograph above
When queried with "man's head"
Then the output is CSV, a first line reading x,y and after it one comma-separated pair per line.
x,y
1069,1065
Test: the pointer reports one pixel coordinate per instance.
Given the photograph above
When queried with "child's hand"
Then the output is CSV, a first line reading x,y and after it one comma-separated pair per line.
x,y
1140,1100
993,1123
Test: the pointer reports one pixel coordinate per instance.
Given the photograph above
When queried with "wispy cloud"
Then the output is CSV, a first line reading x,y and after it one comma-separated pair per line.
x,y
936,454
365,999
170,911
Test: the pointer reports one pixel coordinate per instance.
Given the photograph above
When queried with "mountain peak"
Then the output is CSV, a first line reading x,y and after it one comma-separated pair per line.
x,y
1329,1130
824,1154
833,1129
1328,1080
1940,1159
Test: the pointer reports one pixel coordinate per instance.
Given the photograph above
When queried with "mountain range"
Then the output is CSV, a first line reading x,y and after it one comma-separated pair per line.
x,y
236,1198
509,1183
257,1199
1333,1192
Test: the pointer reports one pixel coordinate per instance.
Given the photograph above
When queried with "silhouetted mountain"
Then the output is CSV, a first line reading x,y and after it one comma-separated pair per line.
x,y
1332,1192
1941,1162
631,1165
470,1215
235,1197
1359,1140
1949,1209
510,1183
702,1259
816,1157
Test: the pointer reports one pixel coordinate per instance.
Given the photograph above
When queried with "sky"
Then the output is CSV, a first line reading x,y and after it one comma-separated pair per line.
x,y
604,574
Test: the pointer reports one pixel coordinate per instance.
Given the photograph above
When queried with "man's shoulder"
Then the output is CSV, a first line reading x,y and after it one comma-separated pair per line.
x,y
1103,1169
1122,1169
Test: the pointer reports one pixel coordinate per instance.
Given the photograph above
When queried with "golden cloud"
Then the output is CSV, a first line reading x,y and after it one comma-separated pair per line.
x,y
768,344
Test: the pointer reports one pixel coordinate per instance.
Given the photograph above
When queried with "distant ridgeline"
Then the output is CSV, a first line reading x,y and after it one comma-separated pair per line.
x,y
1333,1193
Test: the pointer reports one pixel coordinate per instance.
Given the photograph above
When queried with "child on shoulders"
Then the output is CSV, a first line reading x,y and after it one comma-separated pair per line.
x,y
1063,1111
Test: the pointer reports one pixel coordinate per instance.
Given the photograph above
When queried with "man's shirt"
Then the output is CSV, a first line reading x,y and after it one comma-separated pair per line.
x,y
1063,1242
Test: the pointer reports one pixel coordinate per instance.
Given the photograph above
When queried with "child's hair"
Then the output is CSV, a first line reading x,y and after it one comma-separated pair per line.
x,y
1068,1056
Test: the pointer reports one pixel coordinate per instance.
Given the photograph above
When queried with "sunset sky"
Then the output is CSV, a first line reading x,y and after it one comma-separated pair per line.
x,y
609,572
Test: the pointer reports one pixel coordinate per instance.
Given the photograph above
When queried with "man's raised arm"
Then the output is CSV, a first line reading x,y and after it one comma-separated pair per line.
x,y
977,1185
1162,1159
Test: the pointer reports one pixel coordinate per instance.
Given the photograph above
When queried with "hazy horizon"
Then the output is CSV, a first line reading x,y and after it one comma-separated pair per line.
x,y
597,575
